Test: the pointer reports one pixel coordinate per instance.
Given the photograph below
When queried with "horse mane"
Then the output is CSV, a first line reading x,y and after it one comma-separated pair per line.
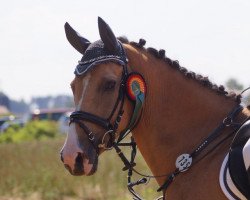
x,y
175,64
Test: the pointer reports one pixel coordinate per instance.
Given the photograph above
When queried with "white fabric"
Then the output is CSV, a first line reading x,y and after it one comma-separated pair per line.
x,y
229,182
246,154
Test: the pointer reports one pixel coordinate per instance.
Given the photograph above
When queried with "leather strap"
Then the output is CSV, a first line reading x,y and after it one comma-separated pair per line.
x,y
81,115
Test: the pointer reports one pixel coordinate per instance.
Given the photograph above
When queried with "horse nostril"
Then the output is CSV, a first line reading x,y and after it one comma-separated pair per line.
x,y
79,162
79,159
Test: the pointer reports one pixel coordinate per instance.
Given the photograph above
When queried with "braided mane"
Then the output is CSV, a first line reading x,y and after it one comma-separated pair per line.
x,y
175,64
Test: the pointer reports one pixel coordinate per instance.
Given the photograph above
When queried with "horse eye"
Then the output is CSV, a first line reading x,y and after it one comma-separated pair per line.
x,y
109,85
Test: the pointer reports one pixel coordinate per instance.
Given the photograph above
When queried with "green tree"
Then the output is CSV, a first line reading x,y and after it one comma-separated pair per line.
x,y
233,84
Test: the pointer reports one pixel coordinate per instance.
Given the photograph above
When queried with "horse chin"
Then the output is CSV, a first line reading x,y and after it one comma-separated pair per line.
x,y
90,169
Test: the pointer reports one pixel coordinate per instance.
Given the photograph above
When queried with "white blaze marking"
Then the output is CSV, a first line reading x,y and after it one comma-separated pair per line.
x,y
85,83
72,149
72,139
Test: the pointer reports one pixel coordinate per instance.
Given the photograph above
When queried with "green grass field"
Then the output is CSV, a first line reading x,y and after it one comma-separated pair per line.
x,y
33,170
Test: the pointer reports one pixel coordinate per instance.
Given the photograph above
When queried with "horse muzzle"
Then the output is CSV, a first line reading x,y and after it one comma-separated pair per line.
x,y
78,160
79,164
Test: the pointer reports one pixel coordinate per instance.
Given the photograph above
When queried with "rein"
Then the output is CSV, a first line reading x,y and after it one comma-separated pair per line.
x,y
184,161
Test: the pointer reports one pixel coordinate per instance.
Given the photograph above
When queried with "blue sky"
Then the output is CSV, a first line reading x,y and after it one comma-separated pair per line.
x,y
209,37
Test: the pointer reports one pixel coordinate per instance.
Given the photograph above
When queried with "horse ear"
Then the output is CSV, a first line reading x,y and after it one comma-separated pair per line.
x,y
75,39
107,36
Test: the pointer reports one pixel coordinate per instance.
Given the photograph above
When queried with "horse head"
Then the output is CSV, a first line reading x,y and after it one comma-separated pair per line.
x,y
98,89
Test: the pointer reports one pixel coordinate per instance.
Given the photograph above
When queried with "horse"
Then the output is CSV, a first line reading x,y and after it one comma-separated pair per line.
x,y
121,86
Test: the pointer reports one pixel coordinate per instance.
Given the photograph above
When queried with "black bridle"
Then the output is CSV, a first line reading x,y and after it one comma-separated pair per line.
x,y
80,116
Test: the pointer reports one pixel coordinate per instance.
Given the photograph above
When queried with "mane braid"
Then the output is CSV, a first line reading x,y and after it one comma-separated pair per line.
x,y
175,64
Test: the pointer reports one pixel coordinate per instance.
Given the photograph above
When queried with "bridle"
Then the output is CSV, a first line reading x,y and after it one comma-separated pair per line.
x,y
80,116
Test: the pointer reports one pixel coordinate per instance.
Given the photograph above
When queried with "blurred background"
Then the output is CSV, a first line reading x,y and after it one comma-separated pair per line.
x,y
211,38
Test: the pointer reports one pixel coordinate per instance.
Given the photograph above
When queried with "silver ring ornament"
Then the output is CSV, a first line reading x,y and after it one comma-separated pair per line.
x,y
103,144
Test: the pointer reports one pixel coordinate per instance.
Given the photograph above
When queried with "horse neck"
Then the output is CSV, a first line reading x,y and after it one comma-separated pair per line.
x,y
179,112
